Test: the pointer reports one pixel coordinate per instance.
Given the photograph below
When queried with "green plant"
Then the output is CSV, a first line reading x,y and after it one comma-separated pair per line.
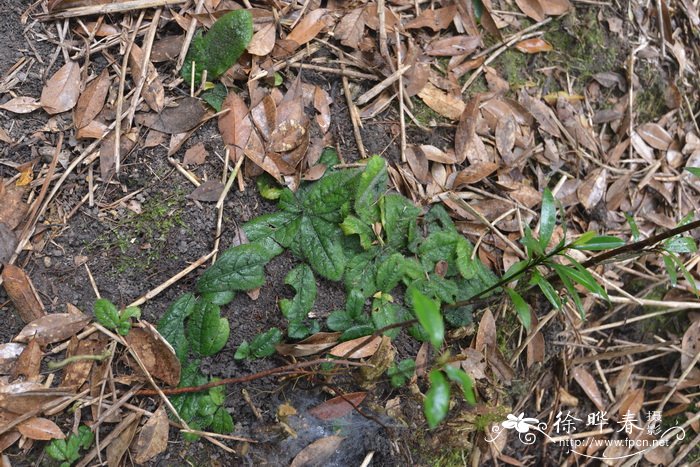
x,y
67,451
111,318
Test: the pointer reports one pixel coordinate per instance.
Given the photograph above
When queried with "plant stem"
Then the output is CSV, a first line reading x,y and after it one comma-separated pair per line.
x,y
75,358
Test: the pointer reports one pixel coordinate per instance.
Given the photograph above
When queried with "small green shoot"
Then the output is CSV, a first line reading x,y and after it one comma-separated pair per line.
x,y
108,316
67,451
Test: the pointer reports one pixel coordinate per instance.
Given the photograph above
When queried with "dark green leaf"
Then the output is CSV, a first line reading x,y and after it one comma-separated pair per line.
x,y
464,380
428,314
548,218
680,244
357,331
172,325
521,308
355,226
321,245
329,157
399,216
326,197
440,246
385,314
207,331
688,277
564,277
263,345
580,275
389,272
437,399
219,298
222,422
670,269
603,242
547,289
106,313
263,230
370,188
220,48
361,273
302,280
534,248
215,97
239,268
438,220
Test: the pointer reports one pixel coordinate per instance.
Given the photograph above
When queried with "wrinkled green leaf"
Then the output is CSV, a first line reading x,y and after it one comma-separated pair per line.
x,y
428,314
321,244
207,331
264,229
521,308
263,345
401,372
238,268
222,422
106,313
355,226
325,198
361,273
399,218
370,188
268,187
437,399
464,380
385,314
215,96
301,278
172,325
220,48
389,272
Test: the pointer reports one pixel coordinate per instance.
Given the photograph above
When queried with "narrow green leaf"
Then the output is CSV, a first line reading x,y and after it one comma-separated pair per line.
x,y
581,275
437,399
464,380
603,242
534,248
694,170
680,244
521,307
564,277
428,314
547,289
670,269
633,227
548,218
688,277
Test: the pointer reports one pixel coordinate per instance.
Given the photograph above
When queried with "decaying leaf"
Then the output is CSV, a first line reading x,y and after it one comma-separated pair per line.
x,y
235,126
368,348
208,191
156,355
76,373
309,26
350,28
119,445
107,160
317,452
589,386
196,155
263,40
12,208
52,328
21,105
690,344
167,48
29,363
92,100
655,136
531,8
27,396
8,355
468,144
309,346
21,291
592,190
455,45
153,92
61,91
338,406
172,120
437,19
153,438
445,104
41,429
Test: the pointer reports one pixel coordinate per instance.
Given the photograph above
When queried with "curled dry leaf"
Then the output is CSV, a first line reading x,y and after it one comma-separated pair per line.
x,y
418,163
21,291
173,120
61,91
322,102
93,130
264,115
76,373
534,45
317,452
655,136
29,363
153,438
632,402
455,45
338,406
167,48
12,208
592,190
208,191
486,335
8,355
52,328
370,344
436,20
309,346
589,386
156,355
41,429
21,105
153,92
543,114
92,100
468,145
263,40
532,8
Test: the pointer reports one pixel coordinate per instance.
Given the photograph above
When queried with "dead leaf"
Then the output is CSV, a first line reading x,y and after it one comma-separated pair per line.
x,y
505,136
29,363
153,92
255,151
690,344
534,45
468,144
351,28
555,7
91,28
41,429
107,161
445,104
655,136
263,41
287,136
309,26
369,347
167,48
8,243
309,346
157,356
154,138
588,384
632,402
531,8
91,100
174,120
454,45
235,126
197,154
27,396
21,291
437,155
8,355
61,91
473,174
52,328
317,452
486,334
314,173
93,130
12,208
535,348
592,190
76,373
264,115
436,20
8,439
153,438
21,105
119,445
208,191
418,163
322,102
378,364
338,406
474,363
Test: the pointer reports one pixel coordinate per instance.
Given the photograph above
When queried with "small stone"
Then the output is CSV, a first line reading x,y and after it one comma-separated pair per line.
x,y
47,261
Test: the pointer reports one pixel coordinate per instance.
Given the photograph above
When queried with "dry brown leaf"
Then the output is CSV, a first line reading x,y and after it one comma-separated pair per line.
x,y
153,92
8,439
196,155
555,7
41,429
93,130
314,173
174,120
12,208
391,20
153,438
322,102
505,136
338,406
531,8
534,45
351,28
264,115
27,396
156,354
21,105
655,136
438,155
543,114
309,346
436,20
167,48
474,363
589,386
8,355
119,445
107,161
52,328
369,347
486,335
208,192
535,348
154,138
454,45
235,126
263,40
468,145
287,136
418,163
76,373
255,151
8,243
29,363
21,291
445,104
92,100
309,26
61,91
592,190
690,344
316,453
473,174
632,402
